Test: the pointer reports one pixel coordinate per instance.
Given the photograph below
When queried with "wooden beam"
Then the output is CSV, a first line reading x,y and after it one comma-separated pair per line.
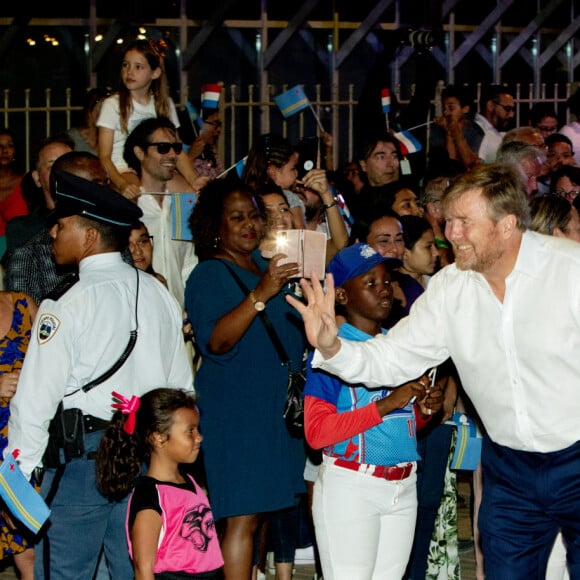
x,y
216,19
365,26
448,6
293,26
101,48
514,46
562,39
475,37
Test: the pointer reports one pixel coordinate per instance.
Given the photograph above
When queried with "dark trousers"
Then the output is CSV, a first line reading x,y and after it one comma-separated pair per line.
x,y
82,522
527,498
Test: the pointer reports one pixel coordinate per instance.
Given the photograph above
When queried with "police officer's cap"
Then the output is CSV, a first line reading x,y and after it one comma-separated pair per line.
x,y
77,196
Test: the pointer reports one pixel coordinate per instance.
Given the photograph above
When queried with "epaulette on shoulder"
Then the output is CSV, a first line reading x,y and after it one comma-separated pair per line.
x,y
63,287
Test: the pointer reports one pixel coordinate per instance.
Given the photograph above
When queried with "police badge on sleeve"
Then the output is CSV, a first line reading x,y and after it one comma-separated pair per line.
x,y
47,327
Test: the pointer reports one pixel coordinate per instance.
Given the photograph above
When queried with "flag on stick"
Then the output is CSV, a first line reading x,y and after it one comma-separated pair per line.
x,y
210,96
238,166
182,205
23,501
194,117
386,100
408,143
292,101
386,104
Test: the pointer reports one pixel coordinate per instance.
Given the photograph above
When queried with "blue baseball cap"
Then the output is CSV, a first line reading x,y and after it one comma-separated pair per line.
x,y
355,260
77,196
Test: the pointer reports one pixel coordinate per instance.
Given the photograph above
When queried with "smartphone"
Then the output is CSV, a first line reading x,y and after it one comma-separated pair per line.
x,y
305,247
307,155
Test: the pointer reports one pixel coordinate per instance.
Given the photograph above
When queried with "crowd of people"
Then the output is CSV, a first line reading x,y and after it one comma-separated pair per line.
x,y
447,291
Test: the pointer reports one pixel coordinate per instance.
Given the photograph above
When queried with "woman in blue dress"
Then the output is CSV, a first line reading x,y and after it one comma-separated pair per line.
x,y
253,465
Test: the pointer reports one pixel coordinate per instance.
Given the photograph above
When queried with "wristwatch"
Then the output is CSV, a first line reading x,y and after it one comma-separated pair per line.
x,y
258,304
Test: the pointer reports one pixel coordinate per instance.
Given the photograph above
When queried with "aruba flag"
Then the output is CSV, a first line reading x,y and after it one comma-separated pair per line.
x,y
182,205
386,100
194,115
292,101
23,501
468,447
210,96
240,166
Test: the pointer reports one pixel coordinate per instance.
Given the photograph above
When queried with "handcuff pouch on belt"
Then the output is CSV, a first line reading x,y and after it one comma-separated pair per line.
x,y
66,432
66,437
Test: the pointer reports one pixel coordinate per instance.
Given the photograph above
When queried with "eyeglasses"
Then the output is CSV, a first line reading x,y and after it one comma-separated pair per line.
x,y
569,195
216,124
545,129
163,147
506,108
142,242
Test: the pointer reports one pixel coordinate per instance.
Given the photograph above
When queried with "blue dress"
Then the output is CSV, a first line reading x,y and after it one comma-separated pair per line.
x,y
252,463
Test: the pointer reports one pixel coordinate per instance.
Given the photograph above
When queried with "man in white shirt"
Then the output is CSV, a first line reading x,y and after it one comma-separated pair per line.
x,y
497,109
150,150
508,313
78,339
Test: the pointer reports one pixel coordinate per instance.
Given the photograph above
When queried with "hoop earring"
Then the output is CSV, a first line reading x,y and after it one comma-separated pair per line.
x,y
216,242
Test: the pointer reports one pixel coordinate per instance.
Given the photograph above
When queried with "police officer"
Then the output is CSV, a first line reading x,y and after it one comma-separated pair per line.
x,y
78,338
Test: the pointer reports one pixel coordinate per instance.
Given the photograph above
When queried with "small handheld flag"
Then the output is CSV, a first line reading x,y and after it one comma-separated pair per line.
x,y
386,100
23,501
210,96
468,446
238,166
194,117
408,143
292,101
182,205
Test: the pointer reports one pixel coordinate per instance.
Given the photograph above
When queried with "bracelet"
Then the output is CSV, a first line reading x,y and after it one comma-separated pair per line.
x,y
331,204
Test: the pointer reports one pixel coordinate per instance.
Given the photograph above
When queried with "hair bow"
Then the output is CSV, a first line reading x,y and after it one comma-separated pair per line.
x,y
128,407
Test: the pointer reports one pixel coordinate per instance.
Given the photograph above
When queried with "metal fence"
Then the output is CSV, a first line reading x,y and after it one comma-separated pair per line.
x,y
34,116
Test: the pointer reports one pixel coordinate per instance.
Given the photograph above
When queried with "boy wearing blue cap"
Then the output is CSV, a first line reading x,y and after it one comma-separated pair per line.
x,y
365,502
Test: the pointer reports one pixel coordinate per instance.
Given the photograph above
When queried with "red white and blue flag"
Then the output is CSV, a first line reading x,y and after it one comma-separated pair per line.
x,y
292,101
210,96
407,142
386,100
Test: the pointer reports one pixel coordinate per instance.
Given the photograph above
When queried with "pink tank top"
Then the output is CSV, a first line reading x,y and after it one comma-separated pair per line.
x,y
188,540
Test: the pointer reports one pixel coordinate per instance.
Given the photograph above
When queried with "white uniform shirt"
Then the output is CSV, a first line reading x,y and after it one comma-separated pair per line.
x,y
110,118
174,259
518,360
79,337
491,140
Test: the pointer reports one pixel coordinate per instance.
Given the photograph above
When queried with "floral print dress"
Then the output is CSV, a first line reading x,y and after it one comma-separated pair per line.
x,y
12,349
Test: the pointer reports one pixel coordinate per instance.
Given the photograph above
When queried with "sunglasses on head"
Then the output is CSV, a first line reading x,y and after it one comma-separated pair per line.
x,y
163,147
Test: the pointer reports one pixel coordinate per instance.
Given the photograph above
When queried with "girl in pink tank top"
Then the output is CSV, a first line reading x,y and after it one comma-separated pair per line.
x,y
170,527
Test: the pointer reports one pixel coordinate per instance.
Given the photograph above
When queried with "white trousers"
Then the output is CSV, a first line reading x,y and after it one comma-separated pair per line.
x,y
364,525
557,569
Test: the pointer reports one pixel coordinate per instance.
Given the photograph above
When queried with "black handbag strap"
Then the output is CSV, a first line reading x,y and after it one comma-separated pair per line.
x,y
124,355
284,358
